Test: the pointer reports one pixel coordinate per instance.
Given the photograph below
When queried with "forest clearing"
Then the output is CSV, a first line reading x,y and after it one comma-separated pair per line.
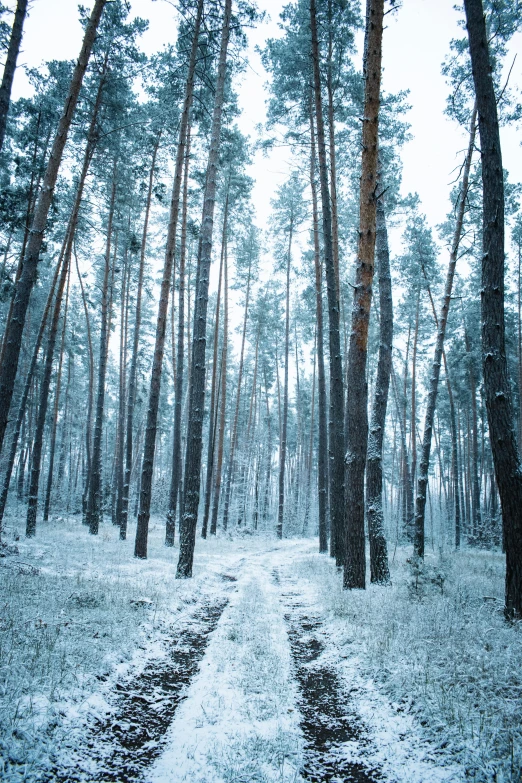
x,y
260,391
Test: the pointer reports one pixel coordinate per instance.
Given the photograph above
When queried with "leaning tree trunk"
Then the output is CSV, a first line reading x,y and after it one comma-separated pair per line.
x,y
15,327
357,412
36,459
501,422
284,429
336,473
25,394
56,411
191,484
46,380
379,569
322,446
131,399
142,530
10,65
422,484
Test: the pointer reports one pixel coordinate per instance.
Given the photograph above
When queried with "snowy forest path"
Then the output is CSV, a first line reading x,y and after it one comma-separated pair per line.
x,y
142,705
257,678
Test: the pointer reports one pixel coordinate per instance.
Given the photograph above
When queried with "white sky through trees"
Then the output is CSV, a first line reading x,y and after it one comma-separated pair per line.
x,y
416,41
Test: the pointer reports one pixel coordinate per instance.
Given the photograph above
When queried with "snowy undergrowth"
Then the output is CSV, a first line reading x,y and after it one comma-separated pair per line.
x,y
440,649
239,722
76,611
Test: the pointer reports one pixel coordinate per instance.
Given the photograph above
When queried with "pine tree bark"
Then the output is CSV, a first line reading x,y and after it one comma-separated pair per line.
x,y
191,484
15,327
142,530
10,65
496,381
322,446
422,484
379,569
336,428
357,412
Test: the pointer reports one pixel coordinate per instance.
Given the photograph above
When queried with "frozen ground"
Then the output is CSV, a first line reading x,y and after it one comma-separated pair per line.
x,y
259,669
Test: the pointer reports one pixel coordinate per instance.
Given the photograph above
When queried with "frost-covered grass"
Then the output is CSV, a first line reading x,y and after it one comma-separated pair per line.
x,y
74,609
439,646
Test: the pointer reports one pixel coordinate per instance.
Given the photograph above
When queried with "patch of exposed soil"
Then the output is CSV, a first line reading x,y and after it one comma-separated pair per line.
x,y
121,747
327,723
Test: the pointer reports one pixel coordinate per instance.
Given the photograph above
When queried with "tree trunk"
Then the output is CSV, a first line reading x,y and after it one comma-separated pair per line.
x,y
233,438
10,65
52,446
94,501
336,472
64,276
422,484
322,446
213,392
379,569
175,479
15,327
357,413
476,516
191,484
284,429
496,381
142,530
25,396
131,399
223,401
36,459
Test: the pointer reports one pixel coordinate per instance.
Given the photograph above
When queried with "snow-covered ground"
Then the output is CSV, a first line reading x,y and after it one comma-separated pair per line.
x,y
289,676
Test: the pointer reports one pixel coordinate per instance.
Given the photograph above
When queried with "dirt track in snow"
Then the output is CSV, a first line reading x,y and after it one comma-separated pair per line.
x,y
124,745
327,722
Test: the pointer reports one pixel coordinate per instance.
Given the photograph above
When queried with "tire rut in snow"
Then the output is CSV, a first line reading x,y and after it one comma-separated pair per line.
x,y
326,720
122,746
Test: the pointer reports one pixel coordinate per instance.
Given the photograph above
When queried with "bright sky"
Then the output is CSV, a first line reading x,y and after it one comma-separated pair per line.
x,y
416,42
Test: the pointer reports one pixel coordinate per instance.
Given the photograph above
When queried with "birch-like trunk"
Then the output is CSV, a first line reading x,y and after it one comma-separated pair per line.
x,y
439,346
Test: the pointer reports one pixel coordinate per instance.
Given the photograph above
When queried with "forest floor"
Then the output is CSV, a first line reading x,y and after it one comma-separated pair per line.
x,y
258,669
